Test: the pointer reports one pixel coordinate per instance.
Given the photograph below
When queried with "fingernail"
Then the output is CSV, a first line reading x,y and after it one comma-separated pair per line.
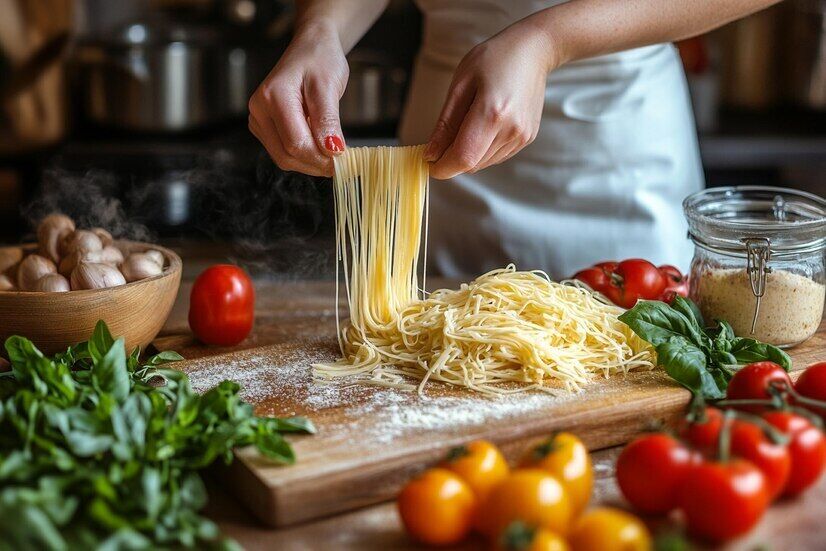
x,y
334,143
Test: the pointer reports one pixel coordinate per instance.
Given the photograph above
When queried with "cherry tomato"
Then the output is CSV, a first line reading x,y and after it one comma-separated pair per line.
x,y
703,434
480,464
807,449
722,500
633,280
566,457
222,305
609,529
676,282
596,278
749,442
529,495
437,508
812,384
650,470
752,383
519,536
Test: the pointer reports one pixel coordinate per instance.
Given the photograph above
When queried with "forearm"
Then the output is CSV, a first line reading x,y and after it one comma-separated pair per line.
x,y
579,29
348,19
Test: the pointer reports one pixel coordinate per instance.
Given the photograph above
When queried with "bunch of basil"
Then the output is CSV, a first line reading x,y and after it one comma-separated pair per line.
x,y
701,359
95,453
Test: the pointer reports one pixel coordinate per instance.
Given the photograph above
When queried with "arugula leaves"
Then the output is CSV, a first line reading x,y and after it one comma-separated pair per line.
x,y
701,359
95,454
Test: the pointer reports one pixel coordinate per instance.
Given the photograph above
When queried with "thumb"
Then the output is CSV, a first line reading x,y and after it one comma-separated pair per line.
x,y
322,108
459,98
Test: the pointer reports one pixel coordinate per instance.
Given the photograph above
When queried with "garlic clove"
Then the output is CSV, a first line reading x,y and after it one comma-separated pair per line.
x,y
9,257
93,275
104,236
157,256
140,266
50,232
52,283
80,240
32,268
111,255
6,283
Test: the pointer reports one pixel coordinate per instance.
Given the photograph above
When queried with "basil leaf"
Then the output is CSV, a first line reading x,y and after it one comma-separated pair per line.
x,y
686,363
292,424
110,373
658,323
749,351
101,341
689,310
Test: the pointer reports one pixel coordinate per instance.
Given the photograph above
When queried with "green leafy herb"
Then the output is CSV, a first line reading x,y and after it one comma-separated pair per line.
x,y
701,359
96,453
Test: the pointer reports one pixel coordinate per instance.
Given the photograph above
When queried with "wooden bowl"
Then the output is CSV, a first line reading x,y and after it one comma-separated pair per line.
x,y
135,311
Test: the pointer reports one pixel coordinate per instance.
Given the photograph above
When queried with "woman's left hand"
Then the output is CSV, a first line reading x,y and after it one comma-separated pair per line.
x,y
494,103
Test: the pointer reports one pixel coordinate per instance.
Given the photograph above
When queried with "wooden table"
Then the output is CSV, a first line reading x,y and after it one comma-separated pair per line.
x,y
793,525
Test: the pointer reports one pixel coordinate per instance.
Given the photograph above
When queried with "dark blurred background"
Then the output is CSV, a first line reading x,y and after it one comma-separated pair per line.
x,y
132,114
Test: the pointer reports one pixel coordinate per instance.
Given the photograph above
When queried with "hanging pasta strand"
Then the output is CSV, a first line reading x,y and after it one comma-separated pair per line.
x,y
507,331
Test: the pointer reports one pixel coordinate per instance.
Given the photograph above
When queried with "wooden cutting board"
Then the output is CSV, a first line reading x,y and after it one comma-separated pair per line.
x,y
371,440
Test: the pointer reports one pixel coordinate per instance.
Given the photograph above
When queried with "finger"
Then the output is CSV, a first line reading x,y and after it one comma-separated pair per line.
x,y
290,122
267,135
322,100
476,134
460,96
496,152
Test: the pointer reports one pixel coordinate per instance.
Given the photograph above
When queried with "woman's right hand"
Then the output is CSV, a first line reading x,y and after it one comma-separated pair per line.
x,y
294,112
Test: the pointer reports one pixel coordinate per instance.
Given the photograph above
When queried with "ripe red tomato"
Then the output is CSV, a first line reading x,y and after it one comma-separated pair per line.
x,y
722,500
650,470
812,384
749,442
752,383
638,279
596,278
702,435
807,449
222,305
676,282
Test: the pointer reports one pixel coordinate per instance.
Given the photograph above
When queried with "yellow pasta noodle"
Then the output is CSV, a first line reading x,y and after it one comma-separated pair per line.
x,y
506,331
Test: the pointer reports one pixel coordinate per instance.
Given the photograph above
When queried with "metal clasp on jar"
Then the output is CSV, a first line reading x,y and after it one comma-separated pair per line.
x,y
758,254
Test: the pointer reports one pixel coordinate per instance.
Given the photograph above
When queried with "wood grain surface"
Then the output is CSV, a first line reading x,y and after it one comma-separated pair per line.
x,y
371,440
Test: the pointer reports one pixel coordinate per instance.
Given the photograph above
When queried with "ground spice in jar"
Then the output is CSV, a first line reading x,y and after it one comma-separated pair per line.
x,y
790,311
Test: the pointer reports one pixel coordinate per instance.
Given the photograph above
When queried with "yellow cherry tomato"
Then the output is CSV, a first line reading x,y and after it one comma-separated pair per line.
x,y
437,508
478,463
608,529
519,536
529,495
566,457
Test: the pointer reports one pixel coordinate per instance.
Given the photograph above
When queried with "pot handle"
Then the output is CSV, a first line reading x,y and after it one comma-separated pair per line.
x,y
95,57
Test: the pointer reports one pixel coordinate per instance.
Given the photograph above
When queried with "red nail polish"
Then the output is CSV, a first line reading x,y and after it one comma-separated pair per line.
x,y
333,143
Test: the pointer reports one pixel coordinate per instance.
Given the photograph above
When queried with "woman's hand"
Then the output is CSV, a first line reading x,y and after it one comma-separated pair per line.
x,y
494,103
294,112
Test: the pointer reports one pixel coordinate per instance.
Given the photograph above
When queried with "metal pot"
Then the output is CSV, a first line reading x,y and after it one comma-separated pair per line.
x,y
375,90
162,76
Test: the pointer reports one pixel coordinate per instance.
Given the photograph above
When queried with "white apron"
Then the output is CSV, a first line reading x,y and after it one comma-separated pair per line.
x,y
615,155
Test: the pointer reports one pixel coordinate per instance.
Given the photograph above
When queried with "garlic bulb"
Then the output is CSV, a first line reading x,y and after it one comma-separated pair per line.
x,y
93,275
52,283
110,254
31,269
6,284
9,256
80,240
104,236
140,266
157,256
50,232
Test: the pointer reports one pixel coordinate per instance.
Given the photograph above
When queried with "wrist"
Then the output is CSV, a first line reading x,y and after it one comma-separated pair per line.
x,y
316,29
550,45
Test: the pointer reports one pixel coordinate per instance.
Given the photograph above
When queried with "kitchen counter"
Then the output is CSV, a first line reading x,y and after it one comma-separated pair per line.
x,y
791,525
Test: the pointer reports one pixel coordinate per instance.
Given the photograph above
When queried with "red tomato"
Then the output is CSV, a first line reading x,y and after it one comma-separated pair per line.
x,y
812,384
638,279
703,435
752,383
722,500
676,282
596,278
749,442
650,470
222,305
807,449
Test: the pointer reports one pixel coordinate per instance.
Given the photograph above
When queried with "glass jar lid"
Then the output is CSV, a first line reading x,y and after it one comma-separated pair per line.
x,y
727,219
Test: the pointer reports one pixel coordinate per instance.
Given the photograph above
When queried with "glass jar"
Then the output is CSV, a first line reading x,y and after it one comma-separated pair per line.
x,y
759,260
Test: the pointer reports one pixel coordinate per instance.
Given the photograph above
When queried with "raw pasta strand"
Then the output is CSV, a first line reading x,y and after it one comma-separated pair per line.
x,y
506,331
